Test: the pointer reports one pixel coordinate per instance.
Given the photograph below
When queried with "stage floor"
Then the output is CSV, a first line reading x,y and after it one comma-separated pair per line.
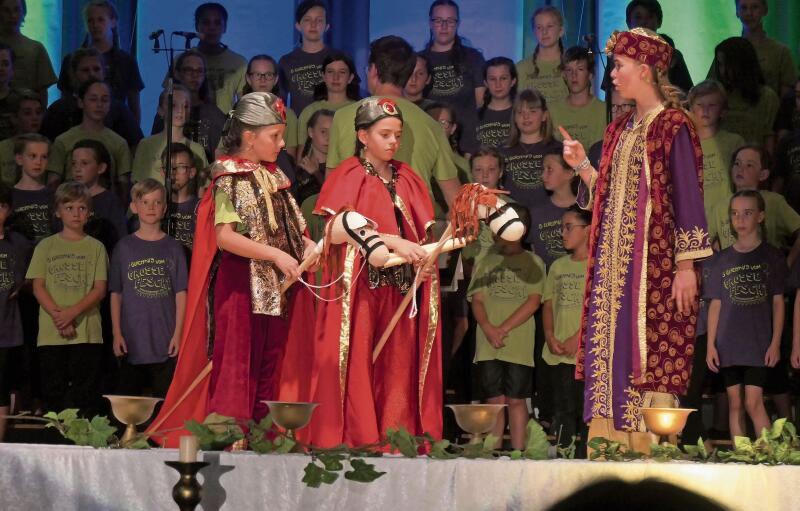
x,y
45,477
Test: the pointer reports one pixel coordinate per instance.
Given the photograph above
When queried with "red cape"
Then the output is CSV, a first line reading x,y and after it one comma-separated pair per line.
x,y
187,397
350,186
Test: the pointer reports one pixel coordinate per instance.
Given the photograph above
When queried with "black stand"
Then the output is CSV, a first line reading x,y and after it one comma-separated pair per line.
x,y
169,51
187,492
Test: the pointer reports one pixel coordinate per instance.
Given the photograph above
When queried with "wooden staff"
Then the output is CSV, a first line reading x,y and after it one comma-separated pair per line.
x,y
200,377
430,261
449,246
307,263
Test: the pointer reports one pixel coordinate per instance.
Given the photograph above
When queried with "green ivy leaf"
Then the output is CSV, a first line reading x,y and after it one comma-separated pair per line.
x,y
332,461
516,454
100,431
537,445
489,442
140,443
439,450
316,476
362,471
402,441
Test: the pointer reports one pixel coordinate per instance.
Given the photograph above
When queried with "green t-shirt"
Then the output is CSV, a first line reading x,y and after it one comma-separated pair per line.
x,y
585,124
423,147
9,172
315,223
60,162
147,160
506,282
781,221
776,64
225,212
69,270
564,287
32,67
475,250
305,116
752,122
549,80
717,153
225,75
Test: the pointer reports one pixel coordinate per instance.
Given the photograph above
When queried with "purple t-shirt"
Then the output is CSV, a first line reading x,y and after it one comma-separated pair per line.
x,y
524,165
299,73
745,284
148,274
15,251
545,232
493,128
33,213
454,83
182,218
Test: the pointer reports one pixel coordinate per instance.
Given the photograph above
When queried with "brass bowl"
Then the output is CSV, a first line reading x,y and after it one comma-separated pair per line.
x,y
666,421
132,411
290,415
476,419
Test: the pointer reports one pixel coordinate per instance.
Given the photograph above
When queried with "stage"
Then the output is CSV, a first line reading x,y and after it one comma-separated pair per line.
x,y
44,477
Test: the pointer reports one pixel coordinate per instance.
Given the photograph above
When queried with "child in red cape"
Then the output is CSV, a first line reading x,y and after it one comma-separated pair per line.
x,y
248,241
359,400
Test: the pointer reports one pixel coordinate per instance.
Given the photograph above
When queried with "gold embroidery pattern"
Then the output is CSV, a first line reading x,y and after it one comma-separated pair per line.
x,y
261,198
344,333
613,263
433,324
615,256
691,244
632,413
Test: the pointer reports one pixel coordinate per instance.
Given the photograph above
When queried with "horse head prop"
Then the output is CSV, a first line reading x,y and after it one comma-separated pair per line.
x,y
348,226
475,203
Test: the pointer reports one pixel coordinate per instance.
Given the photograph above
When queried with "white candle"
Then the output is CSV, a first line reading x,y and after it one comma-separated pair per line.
x,y
188,449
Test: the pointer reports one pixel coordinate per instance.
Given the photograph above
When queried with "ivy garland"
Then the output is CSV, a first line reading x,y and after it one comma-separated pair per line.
x,y
777,445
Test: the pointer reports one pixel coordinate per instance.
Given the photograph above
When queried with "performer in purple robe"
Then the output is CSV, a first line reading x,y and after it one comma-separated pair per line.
x,y
648,228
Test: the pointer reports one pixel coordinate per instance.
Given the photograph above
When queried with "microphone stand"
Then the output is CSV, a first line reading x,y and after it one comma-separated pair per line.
x,y
169,51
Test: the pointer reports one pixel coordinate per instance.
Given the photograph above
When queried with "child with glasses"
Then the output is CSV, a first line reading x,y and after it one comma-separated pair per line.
x,y
457,70
147,162
561,315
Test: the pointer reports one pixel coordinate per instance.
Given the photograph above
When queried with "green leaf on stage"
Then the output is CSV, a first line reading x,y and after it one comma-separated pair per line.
x,y
216,432
697,452
516,454
439,450
362,471
315,476
332,461
489,442
537,445
401,440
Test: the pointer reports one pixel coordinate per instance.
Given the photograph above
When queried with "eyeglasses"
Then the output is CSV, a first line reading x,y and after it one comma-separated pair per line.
x,y
568,227
444,22
445,123
269,75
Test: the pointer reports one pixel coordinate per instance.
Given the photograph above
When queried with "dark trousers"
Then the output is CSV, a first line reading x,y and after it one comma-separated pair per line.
x,y
567,402
70,377
543,399
694,428
135,379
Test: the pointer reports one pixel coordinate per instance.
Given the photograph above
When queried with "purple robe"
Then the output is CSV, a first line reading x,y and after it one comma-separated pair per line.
x,y
648,215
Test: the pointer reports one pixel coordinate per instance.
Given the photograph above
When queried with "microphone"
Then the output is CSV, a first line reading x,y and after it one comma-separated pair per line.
x,y
155,35
187,35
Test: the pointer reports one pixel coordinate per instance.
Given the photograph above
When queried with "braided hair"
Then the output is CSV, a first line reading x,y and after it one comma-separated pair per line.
x,y
553,11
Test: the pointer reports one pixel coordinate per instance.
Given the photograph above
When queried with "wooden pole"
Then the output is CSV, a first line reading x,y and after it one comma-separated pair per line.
x,y
431,260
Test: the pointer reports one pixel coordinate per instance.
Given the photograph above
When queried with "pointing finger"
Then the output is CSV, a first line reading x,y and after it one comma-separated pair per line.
x,y
564,133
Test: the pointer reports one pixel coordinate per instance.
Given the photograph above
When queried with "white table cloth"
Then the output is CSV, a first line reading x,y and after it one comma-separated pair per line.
x,y
43,477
